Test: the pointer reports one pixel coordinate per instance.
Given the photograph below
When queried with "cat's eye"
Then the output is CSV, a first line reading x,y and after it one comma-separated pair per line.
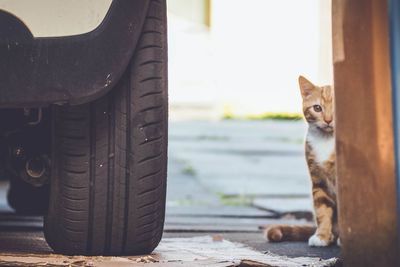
x,y
317,108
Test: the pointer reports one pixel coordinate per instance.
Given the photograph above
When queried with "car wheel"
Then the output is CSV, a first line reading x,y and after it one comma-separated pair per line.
x,y
109,158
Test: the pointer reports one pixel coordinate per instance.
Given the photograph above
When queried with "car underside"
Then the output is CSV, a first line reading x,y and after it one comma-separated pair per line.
x,y
83,136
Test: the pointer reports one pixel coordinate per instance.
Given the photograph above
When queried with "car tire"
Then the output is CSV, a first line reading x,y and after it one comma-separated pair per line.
x,y
109,167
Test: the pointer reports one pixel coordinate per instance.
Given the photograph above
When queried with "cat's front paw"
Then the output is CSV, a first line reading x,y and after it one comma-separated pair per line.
x,y
318,241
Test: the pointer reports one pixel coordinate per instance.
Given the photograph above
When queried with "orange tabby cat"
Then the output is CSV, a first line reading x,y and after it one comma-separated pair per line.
x,y
318,110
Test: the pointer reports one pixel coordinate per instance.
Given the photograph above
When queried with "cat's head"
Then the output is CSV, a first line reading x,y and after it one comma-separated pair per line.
x,y
318,106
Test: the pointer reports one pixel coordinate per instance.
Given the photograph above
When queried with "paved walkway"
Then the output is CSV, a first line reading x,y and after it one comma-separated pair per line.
x,y
242,162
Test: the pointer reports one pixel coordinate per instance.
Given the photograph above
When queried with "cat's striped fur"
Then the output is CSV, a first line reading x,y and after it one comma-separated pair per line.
x,y
318,109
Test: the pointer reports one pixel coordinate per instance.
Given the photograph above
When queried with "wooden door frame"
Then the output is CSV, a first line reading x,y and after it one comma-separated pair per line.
x,y
366,163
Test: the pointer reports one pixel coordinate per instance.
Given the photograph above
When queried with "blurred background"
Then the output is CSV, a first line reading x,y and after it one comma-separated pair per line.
x,y
244,58
236,132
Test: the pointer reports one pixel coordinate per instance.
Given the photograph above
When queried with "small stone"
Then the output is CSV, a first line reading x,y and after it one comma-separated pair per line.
x,y
217,238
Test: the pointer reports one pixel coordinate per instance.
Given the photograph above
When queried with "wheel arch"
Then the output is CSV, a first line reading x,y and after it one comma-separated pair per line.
x,y
67,70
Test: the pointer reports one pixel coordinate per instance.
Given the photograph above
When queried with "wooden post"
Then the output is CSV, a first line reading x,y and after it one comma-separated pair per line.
x,y
364,130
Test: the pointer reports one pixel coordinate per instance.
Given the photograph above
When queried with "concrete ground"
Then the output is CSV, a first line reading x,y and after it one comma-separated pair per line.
x,y
225,180
233,176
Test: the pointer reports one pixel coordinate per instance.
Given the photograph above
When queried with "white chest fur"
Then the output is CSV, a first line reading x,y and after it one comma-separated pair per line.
x,y
322,147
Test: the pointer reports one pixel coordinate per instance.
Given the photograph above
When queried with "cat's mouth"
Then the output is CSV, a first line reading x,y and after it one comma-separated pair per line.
x,y
326,128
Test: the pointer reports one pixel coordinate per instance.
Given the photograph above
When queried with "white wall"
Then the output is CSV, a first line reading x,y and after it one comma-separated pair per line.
x,y
193,10
262,46
250,58
47,18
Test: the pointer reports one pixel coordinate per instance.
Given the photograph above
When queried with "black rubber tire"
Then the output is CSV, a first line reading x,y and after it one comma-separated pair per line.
x,y
109,165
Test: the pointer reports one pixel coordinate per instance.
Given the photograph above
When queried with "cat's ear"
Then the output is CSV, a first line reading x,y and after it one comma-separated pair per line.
x,y
306,87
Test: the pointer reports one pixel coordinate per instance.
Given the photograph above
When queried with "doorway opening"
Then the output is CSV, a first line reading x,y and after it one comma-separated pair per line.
x,y
236,134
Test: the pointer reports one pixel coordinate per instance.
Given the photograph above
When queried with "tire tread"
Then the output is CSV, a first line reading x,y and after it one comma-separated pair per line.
x,y
109,169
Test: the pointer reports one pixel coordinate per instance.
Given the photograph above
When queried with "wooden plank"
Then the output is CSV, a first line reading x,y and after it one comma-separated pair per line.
x,y
285,205
365,149
225,225
218,211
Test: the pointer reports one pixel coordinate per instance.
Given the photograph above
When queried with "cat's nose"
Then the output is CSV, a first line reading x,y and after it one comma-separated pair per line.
x,y
328,121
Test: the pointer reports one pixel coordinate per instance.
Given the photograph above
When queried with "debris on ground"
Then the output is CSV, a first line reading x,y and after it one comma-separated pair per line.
x,y
213,251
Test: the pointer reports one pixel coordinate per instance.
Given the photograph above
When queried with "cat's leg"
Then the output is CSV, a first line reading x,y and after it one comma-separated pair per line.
x,y
324,212
336,231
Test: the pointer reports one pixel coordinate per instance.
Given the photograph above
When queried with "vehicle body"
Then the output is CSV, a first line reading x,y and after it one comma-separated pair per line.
x,y
84,111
